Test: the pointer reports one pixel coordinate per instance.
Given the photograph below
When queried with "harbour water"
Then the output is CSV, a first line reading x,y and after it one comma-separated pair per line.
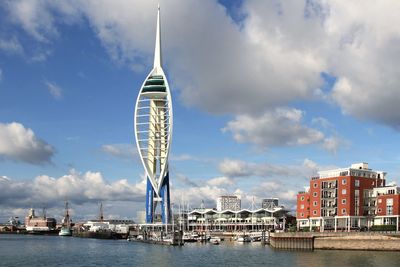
x,y
27,250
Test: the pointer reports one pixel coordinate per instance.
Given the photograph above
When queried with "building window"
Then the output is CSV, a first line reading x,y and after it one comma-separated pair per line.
x,y
380,200
302,198
301,214
314,212
357,183
301,206
389,210
343,211
315,203
344,201
344,192
379,210
344,181
315,194
315,185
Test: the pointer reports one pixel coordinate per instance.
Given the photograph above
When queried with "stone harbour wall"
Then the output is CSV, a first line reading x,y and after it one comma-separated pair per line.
x,y
339,241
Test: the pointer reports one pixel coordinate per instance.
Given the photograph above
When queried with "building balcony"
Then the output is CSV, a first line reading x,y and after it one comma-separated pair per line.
x,y
329,196
329,206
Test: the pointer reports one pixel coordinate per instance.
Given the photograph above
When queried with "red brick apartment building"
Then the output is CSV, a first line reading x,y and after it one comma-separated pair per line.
x,y
347,199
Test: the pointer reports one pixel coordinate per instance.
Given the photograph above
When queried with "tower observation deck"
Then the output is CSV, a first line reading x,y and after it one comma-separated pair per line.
x,y
153,131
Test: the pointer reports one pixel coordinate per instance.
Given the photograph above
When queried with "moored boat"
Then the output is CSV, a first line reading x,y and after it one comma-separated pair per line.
x,y
243,239
66,223
215,240
65,231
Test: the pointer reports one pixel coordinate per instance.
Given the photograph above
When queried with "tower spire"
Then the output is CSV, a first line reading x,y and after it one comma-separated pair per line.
x,y
157,51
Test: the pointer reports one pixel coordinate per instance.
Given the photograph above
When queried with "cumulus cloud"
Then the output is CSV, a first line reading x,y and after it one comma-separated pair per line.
x,y
195,195
54,89
255,64
364,58
220,181
282,126
275,54
240,168
20,144
332,144
286,195
89,187
34,17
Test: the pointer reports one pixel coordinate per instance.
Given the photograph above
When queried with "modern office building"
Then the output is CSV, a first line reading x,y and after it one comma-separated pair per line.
x,y
153,132
270,203
348,199
228,203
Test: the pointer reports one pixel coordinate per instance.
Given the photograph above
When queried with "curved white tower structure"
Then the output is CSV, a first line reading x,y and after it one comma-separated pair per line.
x,y
153,132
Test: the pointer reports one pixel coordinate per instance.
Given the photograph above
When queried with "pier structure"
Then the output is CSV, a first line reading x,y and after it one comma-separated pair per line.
x,y
153,131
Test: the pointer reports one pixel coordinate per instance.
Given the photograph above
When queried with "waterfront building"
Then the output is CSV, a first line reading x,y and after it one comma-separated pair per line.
x,y
114,225
348,199
269,203
35,223
153,132
239,220
228,203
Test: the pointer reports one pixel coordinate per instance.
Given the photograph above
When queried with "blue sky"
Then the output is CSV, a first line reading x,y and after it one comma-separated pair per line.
x,y
265,94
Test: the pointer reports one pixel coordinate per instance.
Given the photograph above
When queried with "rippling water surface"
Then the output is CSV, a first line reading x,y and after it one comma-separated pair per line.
x,y
20,250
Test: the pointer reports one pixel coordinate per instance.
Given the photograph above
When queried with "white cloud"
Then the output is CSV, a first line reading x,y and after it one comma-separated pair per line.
x,y
54,89
4,178
308,163
221,181
34,17
364,55
332,144
123,151
270,174
253,61
281,126
195,195
235,168
240,168
274,56
20,144
89,187
323,122
11,46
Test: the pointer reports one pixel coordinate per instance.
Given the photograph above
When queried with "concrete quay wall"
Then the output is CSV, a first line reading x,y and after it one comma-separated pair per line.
x,y
386,243
339,241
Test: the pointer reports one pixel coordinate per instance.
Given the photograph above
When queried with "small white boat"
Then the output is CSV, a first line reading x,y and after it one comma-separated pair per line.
x,y
65,231
243,239
190,237
215,240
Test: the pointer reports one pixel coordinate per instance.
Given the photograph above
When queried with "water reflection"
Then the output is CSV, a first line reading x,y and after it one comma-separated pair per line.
x,y
17,250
